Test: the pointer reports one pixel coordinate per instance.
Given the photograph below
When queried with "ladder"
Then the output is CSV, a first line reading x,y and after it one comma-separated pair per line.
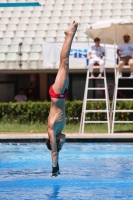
x,y
83,120
115,99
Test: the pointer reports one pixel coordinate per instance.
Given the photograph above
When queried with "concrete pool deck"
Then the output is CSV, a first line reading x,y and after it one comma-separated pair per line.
x,y
70,137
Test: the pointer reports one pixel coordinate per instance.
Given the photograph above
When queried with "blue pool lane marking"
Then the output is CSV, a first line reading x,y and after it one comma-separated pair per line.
x,y
21,4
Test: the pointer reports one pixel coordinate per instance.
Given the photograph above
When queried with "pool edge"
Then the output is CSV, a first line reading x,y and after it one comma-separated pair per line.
x,y
41,137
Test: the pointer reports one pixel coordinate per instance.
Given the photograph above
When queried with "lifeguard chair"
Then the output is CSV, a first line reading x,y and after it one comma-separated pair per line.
x,y
83,120
116,99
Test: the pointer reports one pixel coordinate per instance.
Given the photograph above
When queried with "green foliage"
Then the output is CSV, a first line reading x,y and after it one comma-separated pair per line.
x,y
31,112
24,112
124,105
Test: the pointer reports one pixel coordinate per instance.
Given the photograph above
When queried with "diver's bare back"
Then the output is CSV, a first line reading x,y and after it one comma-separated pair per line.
x,y
56,118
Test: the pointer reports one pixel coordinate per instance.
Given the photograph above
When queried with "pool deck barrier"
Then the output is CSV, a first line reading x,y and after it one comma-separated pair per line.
x,y
70,137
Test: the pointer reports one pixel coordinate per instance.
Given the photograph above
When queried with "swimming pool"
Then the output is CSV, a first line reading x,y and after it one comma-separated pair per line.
x,y
90,171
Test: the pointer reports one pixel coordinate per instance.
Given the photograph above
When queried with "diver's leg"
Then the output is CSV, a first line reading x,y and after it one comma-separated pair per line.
x,y
61,78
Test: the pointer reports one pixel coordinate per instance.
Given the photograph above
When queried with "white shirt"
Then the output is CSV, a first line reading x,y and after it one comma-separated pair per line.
x,y
126,49
20,98
96,52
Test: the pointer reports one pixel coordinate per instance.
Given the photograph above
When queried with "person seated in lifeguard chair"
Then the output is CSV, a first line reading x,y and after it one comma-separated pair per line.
x,y
96,54
125,54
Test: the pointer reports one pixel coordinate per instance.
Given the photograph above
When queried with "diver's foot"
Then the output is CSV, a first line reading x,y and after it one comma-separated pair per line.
x,y
72,29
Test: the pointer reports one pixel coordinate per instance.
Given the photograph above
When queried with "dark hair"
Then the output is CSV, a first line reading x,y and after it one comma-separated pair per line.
x,y
96,39
21,89
126,36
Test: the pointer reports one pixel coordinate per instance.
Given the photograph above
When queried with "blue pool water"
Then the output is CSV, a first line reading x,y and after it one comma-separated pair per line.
x,y
90,171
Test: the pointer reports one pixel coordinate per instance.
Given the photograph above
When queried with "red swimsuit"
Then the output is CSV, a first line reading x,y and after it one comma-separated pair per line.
x,y
58,96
